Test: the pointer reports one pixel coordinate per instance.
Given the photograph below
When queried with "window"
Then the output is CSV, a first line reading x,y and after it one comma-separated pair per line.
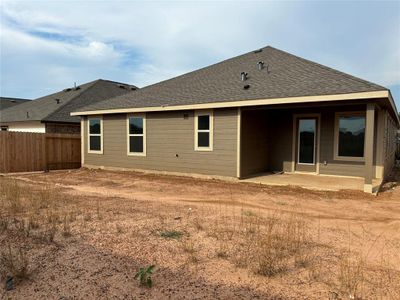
x,y
95,129
137,135
350,136
203,131
4,128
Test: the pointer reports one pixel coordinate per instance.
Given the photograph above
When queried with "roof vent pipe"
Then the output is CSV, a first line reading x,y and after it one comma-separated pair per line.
x,y
243,76
58,101
260,65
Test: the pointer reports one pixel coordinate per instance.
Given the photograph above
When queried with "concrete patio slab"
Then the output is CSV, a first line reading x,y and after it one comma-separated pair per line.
x,y
311,181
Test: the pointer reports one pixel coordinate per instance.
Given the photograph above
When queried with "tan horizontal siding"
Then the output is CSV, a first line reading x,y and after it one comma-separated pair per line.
x,y
168,134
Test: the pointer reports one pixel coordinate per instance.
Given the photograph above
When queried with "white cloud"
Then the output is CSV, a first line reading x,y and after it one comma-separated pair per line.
x,y
145,42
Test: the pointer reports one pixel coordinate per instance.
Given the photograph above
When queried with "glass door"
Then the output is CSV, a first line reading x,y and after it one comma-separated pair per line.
x,y
306,144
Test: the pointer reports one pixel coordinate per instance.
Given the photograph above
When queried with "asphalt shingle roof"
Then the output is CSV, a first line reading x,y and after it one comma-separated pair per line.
x,y
6,102
49,109
283,75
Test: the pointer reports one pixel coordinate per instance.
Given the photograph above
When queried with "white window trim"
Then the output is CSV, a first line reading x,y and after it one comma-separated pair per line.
x,y
142,115
336,138
210,130
95,134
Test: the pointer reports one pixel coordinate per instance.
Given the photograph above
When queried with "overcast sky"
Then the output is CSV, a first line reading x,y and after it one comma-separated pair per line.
x,y
48,45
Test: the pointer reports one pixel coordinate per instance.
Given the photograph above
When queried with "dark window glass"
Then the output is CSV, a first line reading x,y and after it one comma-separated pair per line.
x,y
351,136
4,128
95,143
306,141
204,122
135,125
136,144
94,126
203,139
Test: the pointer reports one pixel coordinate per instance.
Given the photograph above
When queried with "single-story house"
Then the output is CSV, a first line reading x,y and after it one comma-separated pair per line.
x,y
263,111
51,113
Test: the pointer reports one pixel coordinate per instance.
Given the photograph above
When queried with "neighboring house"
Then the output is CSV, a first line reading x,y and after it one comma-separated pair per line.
x,y
263,111
6,102
51,113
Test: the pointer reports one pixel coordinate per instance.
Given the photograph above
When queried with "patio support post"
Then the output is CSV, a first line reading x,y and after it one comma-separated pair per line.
x,y
380,144
369,147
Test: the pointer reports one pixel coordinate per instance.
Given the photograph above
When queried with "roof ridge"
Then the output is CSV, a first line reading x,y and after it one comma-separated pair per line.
x,y
91,85
328,68
200,69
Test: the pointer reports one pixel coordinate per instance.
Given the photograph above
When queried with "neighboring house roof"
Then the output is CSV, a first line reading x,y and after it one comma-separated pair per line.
x,y
284,75
6,102
58,106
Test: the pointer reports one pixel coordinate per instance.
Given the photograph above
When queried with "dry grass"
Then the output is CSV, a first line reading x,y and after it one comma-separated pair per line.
x,y
14,263
271,245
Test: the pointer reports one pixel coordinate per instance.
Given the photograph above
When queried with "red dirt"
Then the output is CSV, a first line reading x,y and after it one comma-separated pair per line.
x,y
120,215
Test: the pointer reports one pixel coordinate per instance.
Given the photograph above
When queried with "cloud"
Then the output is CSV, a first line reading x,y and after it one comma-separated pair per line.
x,y
47,45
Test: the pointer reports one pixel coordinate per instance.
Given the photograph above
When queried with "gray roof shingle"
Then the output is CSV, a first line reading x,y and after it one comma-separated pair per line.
x,y
48,109
284,75
6,102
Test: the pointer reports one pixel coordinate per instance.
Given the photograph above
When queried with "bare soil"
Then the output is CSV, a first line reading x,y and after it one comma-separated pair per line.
x,y
109,224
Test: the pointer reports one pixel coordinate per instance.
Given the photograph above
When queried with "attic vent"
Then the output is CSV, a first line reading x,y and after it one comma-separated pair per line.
x,y
246,87
243,76
122,86
185,116
67,90
133,88
260,65
258,51
57,100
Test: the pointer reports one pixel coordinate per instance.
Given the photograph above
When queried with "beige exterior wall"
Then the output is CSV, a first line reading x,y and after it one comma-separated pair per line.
x,y
389,143
266,143
278,149
254,143
170,144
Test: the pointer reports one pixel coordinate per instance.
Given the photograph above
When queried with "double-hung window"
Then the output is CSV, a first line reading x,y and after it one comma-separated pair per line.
x,y
203,131
137,135
350,136
95,135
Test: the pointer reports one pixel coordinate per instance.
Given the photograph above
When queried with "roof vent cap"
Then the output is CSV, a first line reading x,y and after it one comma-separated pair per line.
x,y
260,65
67,90
27,114
243,76
57,100
246,87
122,86
133,88
258,51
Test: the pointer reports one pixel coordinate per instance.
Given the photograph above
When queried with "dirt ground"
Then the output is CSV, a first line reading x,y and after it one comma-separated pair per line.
x,y
195,232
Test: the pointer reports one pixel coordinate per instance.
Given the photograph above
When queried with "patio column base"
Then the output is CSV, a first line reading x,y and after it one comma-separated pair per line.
x,y
368,188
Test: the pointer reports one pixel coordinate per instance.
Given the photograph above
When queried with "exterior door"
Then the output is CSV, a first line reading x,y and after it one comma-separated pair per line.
x,y
306,157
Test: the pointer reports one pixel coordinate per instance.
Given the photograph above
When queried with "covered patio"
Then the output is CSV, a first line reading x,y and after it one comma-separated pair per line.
x,y
325,147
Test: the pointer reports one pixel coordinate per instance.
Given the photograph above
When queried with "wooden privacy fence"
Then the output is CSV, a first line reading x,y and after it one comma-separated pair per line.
x,y
26,152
